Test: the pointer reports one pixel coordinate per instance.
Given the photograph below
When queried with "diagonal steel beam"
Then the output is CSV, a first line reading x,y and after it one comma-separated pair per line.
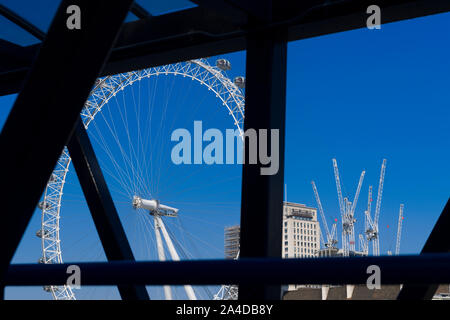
x,y
46,109
437,242
101,206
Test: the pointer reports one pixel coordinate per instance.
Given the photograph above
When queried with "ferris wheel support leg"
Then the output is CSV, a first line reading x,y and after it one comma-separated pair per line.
x,y
161,256
173,252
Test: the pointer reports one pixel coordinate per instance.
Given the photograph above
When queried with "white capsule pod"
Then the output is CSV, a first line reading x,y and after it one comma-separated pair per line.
x,y
52,178
239,82
223,64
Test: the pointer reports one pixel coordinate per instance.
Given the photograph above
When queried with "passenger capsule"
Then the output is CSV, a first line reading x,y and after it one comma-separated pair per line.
x,y
52,178
239,82
223,64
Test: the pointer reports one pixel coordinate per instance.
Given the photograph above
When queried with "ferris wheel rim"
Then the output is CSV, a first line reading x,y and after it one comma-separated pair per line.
x,y
230,95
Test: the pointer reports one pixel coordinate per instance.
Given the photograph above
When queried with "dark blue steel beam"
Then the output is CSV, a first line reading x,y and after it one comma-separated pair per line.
x,y
426,268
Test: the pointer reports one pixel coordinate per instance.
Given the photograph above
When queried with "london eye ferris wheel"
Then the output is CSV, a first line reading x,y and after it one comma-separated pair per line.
x,y
167,210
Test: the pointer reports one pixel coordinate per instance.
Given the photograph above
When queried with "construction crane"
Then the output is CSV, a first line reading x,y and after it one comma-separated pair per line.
x,y
347,209
369,227
351,214
345,225
372,230
330,236
399,230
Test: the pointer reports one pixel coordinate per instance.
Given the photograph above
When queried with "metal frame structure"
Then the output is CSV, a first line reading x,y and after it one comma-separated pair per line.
x,y
66,64
347,210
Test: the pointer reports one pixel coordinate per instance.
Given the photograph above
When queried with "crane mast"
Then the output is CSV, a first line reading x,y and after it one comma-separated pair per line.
x,y
363,245
351,214
367,213
399,230
370,229
376,241
342,208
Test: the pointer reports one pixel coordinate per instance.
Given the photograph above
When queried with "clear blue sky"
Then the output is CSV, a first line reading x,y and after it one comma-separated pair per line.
x,y
357,96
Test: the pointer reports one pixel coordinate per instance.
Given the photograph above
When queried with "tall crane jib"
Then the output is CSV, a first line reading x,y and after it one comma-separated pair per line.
x,y
367,213
330,241
341,208
380,192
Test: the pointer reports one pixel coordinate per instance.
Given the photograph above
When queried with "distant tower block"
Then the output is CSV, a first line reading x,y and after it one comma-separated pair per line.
x,y
232,242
